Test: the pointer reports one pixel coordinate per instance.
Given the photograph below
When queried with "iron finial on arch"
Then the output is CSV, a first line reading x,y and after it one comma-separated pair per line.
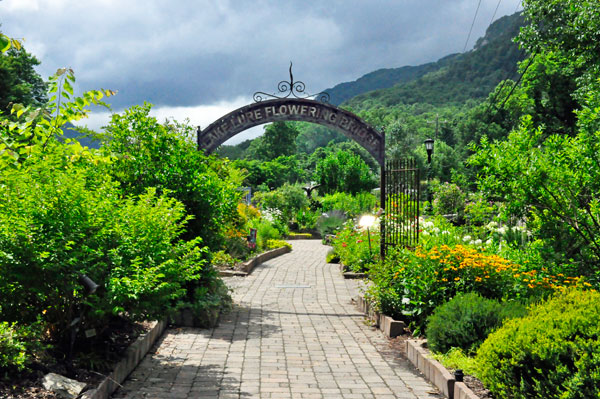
x,y
291,88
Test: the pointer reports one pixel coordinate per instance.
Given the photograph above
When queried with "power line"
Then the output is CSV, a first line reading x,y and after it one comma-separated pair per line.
x,y
518,80
473,23
495,11
518,5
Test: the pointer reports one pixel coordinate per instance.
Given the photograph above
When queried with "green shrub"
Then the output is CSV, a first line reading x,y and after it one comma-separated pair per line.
x,y
209,299
478,211
466,320
330,222
332,256
352,206
554,352
13,351
265,231
223,259
287,200
146,153
18,345
354,250
273,244
307,219
59,218
449,199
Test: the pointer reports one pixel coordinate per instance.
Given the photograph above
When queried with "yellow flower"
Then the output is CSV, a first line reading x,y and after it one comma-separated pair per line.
x,y
456,278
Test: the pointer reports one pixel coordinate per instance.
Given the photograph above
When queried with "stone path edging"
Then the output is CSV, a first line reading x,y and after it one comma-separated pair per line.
x,y
133,356
436,372
390,327
245,268
433,370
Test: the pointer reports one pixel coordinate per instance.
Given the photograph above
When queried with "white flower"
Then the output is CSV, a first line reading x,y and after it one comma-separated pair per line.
x,y
425,233
489,242
428,225
436,230
467,238
492,225
471,242
478,242
445,232
405,301
501,230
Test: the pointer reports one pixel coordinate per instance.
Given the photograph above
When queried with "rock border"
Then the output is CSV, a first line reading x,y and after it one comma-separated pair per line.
x,y
351,275
245,268
133,356
418,355
391,328
436,372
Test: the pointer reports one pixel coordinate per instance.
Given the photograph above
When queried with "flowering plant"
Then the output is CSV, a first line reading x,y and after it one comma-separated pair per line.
x,y
352,246
409,285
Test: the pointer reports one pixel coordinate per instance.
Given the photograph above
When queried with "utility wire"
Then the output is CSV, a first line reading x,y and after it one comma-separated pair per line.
x,y
518,80
511,73
473,23
495,11
518,5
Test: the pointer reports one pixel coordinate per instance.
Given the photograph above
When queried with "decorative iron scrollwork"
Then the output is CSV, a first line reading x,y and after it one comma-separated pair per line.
x,y
291,88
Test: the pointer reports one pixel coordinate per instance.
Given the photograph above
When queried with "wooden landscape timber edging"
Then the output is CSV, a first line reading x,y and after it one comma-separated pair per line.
x,y
418,355
133,356
245,268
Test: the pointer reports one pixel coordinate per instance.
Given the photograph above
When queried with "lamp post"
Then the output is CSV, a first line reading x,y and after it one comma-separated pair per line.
x,y
367,221
429,148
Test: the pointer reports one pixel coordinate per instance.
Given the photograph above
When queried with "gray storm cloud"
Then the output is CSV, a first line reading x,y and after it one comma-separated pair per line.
x,y
182,53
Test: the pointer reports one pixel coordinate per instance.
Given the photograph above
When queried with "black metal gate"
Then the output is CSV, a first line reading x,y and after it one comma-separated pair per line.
x,y
400,223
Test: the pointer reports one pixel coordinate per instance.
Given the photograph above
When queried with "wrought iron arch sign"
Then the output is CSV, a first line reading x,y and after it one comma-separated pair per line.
x,y
399,181
293,109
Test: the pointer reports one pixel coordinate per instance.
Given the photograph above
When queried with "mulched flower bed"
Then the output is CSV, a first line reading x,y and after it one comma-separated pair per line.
x,y
108,350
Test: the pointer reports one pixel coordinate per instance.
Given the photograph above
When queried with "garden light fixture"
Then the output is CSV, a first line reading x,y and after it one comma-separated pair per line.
x,y
429,148
87,283
367,221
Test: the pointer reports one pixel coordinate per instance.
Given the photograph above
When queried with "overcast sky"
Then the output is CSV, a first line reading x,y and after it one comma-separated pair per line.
x,y
202,59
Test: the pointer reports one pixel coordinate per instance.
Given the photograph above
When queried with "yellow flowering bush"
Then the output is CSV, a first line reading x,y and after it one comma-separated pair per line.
x,y
409,285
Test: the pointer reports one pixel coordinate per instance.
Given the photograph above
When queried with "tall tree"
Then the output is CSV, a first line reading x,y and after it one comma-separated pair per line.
x,y
19,82
278,140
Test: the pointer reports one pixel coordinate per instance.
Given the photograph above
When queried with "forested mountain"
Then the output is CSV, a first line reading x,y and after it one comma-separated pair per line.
x,y
382,79
453,79
447,100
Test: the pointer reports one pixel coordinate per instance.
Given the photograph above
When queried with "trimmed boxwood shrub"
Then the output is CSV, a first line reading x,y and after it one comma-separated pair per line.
x,y
554,352
466,321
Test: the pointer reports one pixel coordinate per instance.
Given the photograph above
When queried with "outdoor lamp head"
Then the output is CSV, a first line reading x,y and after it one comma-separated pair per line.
x,y
366,221
429,148
87,283
429,145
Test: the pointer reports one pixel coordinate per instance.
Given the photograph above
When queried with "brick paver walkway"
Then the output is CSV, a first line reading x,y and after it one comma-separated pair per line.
x,y
293,333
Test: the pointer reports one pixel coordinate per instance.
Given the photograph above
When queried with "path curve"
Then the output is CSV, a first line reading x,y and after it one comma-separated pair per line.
x,y
294,333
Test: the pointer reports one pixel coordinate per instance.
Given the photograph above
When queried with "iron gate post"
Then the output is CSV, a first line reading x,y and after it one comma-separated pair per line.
x,y
382,198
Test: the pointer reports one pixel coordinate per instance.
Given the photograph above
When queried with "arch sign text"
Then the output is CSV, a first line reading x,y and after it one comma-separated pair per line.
x,y
292,109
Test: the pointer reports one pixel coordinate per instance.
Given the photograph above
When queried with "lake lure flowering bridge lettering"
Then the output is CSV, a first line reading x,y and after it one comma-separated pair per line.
x,y
292,109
